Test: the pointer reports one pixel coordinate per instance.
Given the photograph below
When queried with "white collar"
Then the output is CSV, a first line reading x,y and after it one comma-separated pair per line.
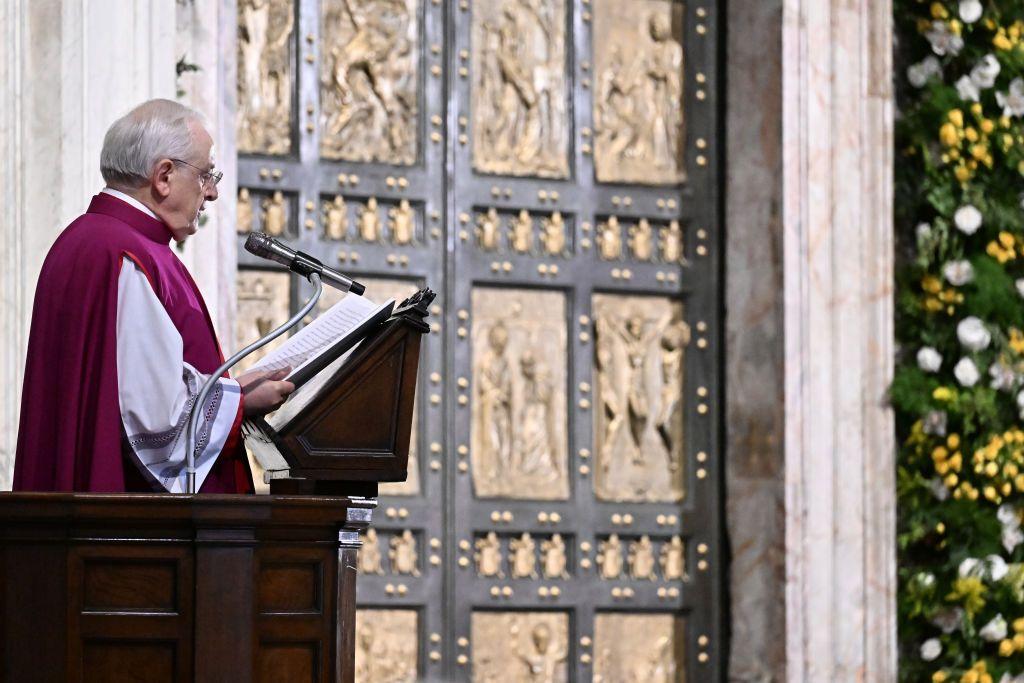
x,y
130,200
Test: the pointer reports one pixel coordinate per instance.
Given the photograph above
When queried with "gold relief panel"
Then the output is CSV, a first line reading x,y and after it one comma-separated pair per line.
x,y
640,648
519,447
387,646
380,290
638,115
368,80
265,76
264,299
519,94
511,647
640,345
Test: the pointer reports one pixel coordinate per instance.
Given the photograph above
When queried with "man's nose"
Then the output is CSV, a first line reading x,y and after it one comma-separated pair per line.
x,y
211,193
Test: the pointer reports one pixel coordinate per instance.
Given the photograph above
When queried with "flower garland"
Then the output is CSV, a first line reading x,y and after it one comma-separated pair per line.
x,y
959,384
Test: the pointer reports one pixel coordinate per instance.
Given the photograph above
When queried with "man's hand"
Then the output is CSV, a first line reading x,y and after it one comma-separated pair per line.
x,y
263,391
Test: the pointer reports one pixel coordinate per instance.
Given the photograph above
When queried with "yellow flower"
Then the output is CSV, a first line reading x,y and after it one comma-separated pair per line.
x,y
948,135
939,677
987,126
970,591
1010,470
1006,239
951,479
970,677
1004,121
956,27
1006,489
956,117
938,11
980,152
991,494
1018,625
971,134
942,393
991,469
1001,42
976,108
1005,647
973,494
956,462
1018,481
1018,641
963,175
940,528
953,441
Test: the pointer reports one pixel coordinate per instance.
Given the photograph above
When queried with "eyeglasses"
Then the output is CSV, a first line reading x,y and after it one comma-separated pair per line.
x,y
210,178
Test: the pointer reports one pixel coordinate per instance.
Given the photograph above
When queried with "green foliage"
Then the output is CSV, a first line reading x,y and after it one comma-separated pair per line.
x,y
960,470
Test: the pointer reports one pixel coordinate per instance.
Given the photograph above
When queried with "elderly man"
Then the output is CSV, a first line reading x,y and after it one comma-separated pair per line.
x,y
121,340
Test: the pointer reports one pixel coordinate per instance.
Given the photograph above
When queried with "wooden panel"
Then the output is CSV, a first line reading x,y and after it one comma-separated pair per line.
x,y
293,662
105,661
113,586
292,587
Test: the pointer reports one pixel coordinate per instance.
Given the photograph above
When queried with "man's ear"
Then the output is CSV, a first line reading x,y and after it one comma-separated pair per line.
x,y
161,178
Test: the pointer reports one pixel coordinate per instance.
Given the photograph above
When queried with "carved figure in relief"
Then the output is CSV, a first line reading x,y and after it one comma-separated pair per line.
x,y
609,239
542,658
641,240
609,557
637,340
674,341
336,219
243,221
673,560
664,69
403,224
494,391
488,556
264,84
386,646
369,221
641,559
403,555
536,454
637,104
636,648
553,234
488,230
524,558
275,217
671,242
368,80
521,233
553,558
369,555
519,94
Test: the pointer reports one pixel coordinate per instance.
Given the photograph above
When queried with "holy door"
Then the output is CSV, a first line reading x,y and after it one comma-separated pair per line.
x,y
549,168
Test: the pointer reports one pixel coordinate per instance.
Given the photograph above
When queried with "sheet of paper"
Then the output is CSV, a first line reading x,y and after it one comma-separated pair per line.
x,y
341,318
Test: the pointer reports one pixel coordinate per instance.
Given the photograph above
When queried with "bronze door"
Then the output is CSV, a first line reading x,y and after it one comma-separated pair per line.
x,y
549,168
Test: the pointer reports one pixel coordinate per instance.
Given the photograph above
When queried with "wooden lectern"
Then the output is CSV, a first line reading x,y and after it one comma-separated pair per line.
x,y
216,589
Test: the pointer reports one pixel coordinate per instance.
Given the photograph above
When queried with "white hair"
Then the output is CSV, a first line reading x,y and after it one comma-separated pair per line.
x,y
154,130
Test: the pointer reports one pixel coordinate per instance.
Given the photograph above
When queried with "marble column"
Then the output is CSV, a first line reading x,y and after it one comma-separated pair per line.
x,y
838,292
69,69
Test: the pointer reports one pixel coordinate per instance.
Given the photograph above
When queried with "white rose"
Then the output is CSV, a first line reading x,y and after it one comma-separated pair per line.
x,y
995,630
965,88
918,74
1012,101
971,566
966,372
943,40
938,489
996,567
924,231
973,334
970,11
1007,516
928,359
1020,404
1003,376
958,273
984,72
926,579
1011,537
967,219
931,649
1020,286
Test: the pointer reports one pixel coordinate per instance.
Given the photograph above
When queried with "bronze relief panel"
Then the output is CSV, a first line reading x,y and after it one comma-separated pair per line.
x,y
266,76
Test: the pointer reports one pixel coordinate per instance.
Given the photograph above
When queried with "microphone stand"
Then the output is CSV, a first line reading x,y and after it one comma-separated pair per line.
x,y
190,456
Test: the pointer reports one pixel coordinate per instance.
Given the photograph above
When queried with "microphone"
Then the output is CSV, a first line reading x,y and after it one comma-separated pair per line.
x,y
267,247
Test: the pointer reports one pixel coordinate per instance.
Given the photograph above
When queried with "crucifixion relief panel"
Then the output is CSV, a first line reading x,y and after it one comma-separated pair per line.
x,y
549,168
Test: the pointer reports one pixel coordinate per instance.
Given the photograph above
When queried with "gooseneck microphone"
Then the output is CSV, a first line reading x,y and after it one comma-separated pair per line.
x,y
267,247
